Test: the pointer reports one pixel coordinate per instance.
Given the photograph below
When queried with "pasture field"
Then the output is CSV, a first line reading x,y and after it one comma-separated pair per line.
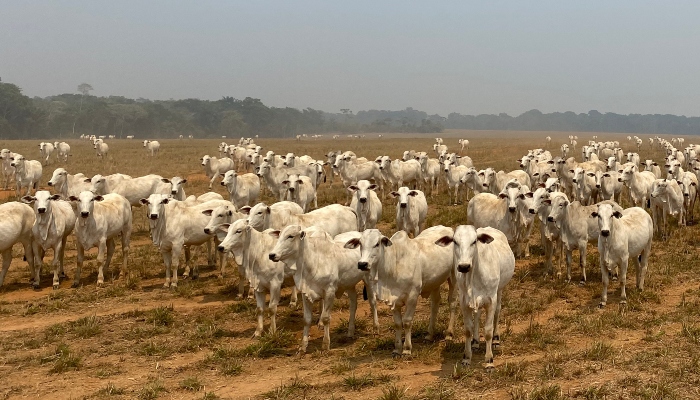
x,y
133,339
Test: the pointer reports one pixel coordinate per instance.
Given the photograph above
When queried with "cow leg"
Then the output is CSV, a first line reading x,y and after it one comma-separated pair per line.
x,y
497,314
167,260
326,319
407,324
110,252
488,334
568,264
62,251
57,264
260,311
275,289
6,260
452,301
79,264
293,298
372,304
101,251
582,261
188,258
177,249
126,237
308,319
605,277
434,305
468,316
642,266
398,330
623,279
352,296
37,264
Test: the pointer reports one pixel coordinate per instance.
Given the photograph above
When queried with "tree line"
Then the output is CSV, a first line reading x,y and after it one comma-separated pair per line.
x,y
72,114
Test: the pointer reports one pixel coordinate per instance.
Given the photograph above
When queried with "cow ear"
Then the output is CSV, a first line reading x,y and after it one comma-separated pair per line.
x,y
165,200
529,194
386,242
223,175
373,187
502,195
165,180
274,234
541,185
547,201
183,181
98,198
378,161
654,164
444,241
413,193
352,243
352,188
594,214
521,196
224,227
302,235
87,180
565,203
572,171
55,197
484,238
73,198
205,212
28,199
300,182
244,210
679,182
268,210
617,214
394,194
285,182
142,201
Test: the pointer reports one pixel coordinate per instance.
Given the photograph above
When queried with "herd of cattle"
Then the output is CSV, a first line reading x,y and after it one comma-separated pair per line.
x,y
324,253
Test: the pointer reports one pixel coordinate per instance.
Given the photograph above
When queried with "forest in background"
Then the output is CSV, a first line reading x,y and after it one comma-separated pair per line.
x,y
72,114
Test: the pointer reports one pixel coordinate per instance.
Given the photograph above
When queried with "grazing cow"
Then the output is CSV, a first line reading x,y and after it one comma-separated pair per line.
x,y
17,222
366,204
325,269
276,216
483,265
152,147
404,268
54,221
27,173
100,219
214,167
301,191
242,190
68,185
265,276
639,184
175,225
411,210
62,151
623,235
133,189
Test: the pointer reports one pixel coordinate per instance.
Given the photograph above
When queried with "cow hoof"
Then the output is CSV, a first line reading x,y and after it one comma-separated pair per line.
x,y
256,335
75,284
623,301
293,306
448,337
466,362
489,367
601,305
35,286
475,344
173,286
406,353
63,275
55,286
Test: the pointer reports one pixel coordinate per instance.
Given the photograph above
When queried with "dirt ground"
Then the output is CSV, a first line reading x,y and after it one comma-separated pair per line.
x,y
132,338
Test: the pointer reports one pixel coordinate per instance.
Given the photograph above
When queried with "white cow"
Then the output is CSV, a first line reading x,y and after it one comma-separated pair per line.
x,y
133,189
402,269
17,222
430,169
265,276
453,177
463,143
8,171
152,147
411,210
351,172
175,225
214,167
100,219
67,185
399,173
276,216
668,196
62,151
46,149
101,148
639,184
55,220
27,173
623,235
242,189
483,265
608,185
653,167
366,204
301,191
495,182
324,270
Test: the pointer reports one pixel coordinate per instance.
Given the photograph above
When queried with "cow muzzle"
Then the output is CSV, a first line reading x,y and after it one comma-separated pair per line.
x,y
403,205
153,216
363,266
207,231
511,209
364,199
532,211
84,214
221,249
41,210
464,268
605,233
550,219
50,183
273,257
597,186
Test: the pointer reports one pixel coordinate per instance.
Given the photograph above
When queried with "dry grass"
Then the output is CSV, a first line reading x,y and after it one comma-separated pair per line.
x,y
556,344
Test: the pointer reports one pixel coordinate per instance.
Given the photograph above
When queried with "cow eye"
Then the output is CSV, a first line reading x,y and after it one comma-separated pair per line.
x,y
474,243
290,237
376,245
238,231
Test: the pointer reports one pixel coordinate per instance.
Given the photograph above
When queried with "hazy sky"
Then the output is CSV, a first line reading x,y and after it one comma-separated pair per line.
x,y
466,56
